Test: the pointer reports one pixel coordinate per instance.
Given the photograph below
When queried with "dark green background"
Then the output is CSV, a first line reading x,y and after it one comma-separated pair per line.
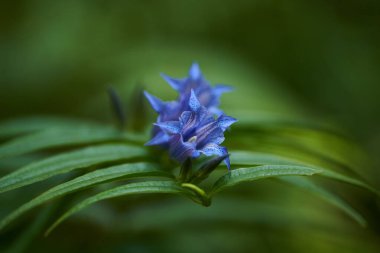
x,y
315,57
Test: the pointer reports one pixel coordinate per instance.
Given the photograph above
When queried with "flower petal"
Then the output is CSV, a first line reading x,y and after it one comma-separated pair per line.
x,y
173,82
157,104
171,127
214,149
180,150
159,139
171,112
215,111
195,71
189,128
225,121
194,102
221,88
185,117
209,133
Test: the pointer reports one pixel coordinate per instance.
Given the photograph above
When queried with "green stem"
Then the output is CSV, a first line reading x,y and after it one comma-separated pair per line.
x,y
203,198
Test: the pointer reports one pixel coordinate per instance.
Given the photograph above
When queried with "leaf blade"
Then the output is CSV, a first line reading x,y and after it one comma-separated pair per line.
x,y
260,172
258,158
124,190
349,180
328,196
67,162
19,126
134,170
240,157
58,137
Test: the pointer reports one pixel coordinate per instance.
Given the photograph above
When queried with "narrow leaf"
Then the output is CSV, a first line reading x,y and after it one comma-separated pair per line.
x,y
265,171
307,144
67,162
248,119
20,126
207,167
350,180
117,106
185,170
128,189
256,158
326,195
124,171
259,158
28,235
58,137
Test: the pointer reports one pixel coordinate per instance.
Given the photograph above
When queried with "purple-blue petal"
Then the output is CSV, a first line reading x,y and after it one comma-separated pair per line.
x,y
194,102
173,82
160,138
195,153
180,150
209,133
157,104
185,117
195,71
214,149
221,88
171,127
171,111
225,122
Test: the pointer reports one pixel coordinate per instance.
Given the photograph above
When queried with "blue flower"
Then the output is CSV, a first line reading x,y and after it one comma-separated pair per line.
x,y
167,111
171,111
196,132
208,96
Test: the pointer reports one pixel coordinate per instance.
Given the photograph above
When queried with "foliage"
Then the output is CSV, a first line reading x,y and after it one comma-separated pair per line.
x,y
99,162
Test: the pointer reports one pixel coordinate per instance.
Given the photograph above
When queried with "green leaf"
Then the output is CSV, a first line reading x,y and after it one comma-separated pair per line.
x,y
20,126
28,235
265,171
259,158
326,195
256,158
58,137
330,146
307,145
248,119
123,171
67,162
229,208
350,180
128,189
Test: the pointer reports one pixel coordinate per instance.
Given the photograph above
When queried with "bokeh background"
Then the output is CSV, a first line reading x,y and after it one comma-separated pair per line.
x,y
319,58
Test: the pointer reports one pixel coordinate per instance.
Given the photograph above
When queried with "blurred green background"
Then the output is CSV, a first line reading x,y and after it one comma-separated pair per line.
x,y
317,58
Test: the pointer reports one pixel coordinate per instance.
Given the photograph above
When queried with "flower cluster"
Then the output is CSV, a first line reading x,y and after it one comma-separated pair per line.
x,y
193,124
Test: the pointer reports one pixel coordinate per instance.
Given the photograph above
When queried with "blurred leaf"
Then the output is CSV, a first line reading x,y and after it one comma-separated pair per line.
x,y
128,189
350,180
113,173
31,232
265,171
269,120
233,209
305,144
331,146
281,219
19,126
240,157
67,162
330,197
257,158
59,137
